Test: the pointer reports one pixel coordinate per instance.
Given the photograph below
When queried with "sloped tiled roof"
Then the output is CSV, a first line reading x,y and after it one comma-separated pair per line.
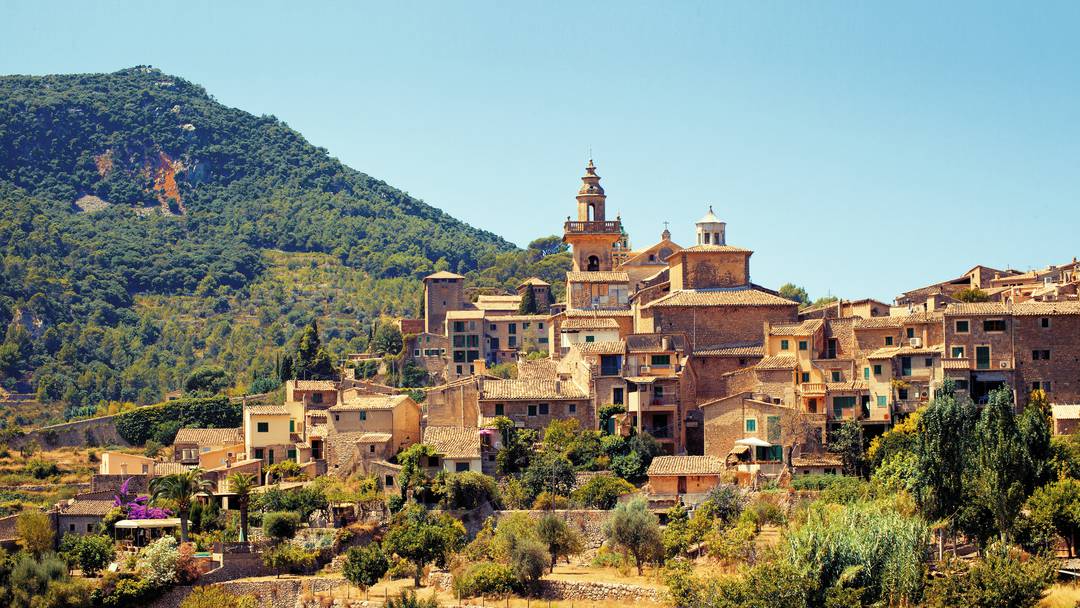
x,y
206,437
613,347
370,402
739,349
777,362
534,281
531,389
577,313
168,468
715,249
453,442
1064,411
597,276
538,369
888,352
591,323
817,460
1036,309
374,438
840,387
442,274
804,328
266,409
88,507
720,297
975,309
898,320
955,364
651,343
316,385
686,465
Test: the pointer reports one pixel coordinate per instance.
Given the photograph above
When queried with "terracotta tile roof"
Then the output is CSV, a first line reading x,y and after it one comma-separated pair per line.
x,y
591,323
839,387
442,274
316,385
1063,411
777,362
87,507
317,430
169,468
614,347
531,389
602,276
817,460
975,309
374,438
266,409
898,320
1036,309
341,446
508,318
955,364
805,328
744,349
715,249
537,369
453,442
465,314
686,465
720,297
208,437
534,281
496,297
576,313
652,343
888,352
370,402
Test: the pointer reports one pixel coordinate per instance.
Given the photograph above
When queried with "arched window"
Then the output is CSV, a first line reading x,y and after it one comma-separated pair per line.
x,y
592,212
594,264
665,253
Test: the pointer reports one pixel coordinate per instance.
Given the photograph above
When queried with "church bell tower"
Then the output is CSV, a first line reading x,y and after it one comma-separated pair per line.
x,y
592,237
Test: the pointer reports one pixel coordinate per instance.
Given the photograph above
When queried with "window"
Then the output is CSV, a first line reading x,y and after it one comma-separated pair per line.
x,y
877,370
902,393
888,340
963,326
532,411
928,362
511,341
292,425
751,425
492,327
910,332
617,395
783,344
472,341
371,448
1040,354
262,427
905,366
836,375
803,345
840,404
512,329
416,353
461,467
71,527
882,401
961,385
433,461
610,364
1044,322
994,325
660,360
572,408
459,326
389,481
590,338
806,376
459,341
292,453
363,416
866,373
958,352
543,409
89,528
500,409
982,357
337,418
316,397
830,349
258,453
539,326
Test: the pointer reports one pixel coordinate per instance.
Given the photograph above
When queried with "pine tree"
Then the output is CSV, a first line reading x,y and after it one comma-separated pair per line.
x,y
528,302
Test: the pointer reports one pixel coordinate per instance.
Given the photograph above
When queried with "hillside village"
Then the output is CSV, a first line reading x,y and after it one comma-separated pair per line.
x,y
668,392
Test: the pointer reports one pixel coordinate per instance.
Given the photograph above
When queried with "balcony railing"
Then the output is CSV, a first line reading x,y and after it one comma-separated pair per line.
x,y
592,227
813,388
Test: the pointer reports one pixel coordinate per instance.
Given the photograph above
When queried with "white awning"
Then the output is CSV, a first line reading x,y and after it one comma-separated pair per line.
x,y
170,522
754,442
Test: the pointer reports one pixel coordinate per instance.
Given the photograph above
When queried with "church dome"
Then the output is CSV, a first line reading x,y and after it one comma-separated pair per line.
x,y
709,218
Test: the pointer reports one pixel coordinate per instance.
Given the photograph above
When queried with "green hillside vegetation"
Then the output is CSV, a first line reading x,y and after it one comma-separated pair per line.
x,y
214,237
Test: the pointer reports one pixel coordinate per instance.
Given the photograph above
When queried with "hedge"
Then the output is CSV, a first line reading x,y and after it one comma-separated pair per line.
x,y
139,425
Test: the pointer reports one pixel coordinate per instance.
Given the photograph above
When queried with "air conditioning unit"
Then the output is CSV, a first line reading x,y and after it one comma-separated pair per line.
x,y
644,369
1004,365
915,342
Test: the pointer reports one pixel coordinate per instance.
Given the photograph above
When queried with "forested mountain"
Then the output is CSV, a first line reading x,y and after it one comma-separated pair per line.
x,y
145,228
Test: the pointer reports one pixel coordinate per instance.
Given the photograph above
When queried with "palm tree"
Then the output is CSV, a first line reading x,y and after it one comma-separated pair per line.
x,y
241,484
181,488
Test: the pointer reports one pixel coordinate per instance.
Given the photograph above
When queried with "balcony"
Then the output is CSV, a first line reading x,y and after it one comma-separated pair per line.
x,y
812,388
592,227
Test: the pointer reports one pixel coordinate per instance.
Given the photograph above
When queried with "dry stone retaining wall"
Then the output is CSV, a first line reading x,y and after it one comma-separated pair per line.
x,y
587,522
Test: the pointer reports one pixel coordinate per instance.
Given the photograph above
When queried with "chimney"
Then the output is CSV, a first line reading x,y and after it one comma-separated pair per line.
x,y
558,387
665,343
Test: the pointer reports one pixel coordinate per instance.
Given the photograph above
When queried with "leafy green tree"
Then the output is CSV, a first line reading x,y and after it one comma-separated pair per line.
x,y
528,560
281,525
388,339
1002,461
973,294
413,476
1002,578
34,532
551,473
422,538
847,441
93,553
181,489
1056,507
676,534
206,381
517,449
528,304
602,491
634,528
365,565
408,599
561,541
288,558
1034,427
794,293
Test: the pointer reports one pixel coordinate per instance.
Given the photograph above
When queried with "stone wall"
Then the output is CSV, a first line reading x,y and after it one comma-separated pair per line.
x,y
269,593
99,431
579,591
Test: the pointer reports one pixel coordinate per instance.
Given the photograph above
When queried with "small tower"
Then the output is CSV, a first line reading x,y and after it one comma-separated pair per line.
x,y
592,237
710,230
443,291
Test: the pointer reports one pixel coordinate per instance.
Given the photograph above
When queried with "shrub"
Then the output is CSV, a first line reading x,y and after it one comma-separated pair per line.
x,y
634,528
93,553
39,468
468,490
122,590
408,599
364,566
287,558
546,500
815,481
34,532
215,597
139,425
187,569
485,579
157,562
1001,578
281,525
528,559
602,491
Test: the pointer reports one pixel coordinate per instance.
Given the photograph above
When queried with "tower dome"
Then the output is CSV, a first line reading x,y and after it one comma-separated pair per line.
x,y
710,230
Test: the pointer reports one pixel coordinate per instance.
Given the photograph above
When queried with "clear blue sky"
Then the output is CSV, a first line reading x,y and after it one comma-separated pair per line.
x,y
859,150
